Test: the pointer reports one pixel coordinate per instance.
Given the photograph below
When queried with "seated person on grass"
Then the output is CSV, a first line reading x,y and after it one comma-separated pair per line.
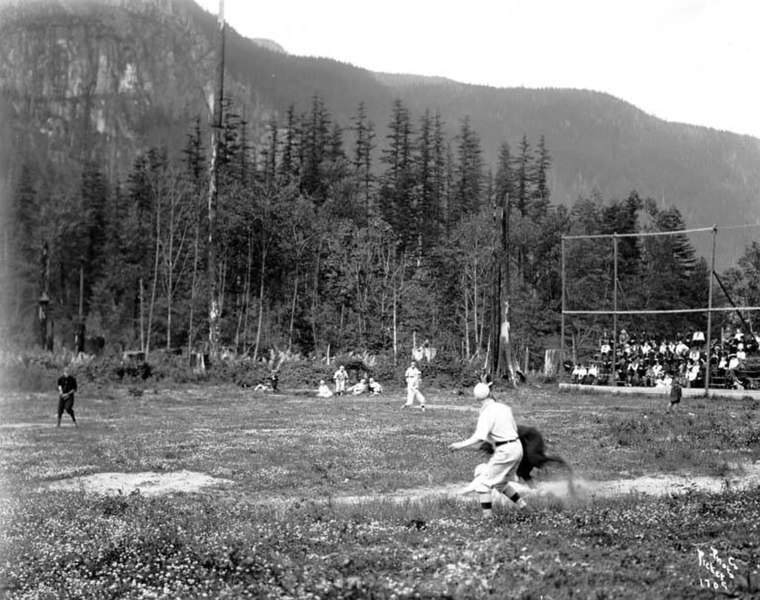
x,y
323,391
374,387
360,387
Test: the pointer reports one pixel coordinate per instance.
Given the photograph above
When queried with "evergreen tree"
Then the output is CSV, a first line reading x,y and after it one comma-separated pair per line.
x,y
21,254
316,132
523,174
468,184
94,192
426,202
336,166
194,155
622,218
25,211
672,276
364,144
290,165
246,155
742,284
588,262
270,154
230,145
442,172
397,181
116,295
504,185
540,197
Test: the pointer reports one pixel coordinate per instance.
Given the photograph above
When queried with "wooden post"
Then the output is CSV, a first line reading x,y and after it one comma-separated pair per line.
x,y
563,278
614,305
708,337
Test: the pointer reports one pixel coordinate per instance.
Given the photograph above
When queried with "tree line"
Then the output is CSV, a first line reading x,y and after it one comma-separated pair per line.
x,y
331,238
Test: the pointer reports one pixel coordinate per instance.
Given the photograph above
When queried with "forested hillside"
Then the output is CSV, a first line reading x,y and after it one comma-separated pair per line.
x,y
355,210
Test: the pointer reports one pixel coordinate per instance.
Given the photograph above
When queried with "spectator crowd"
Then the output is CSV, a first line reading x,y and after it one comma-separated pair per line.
x,y
641,359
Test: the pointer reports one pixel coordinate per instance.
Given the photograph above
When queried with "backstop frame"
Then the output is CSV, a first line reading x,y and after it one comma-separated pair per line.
x,y
710,309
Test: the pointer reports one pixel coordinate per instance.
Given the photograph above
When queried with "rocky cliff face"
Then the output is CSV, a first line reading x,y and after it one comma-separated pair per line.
x,y
102,80
88,81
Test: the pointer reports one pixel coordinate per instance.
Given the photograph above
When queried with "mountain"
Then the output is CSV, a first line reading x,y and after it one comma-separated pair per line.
x,y
87,80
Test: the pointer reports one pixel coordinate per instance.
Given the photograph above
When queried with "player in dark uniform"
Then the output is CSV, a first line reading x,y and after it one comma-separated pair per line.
x,y
67,385
675,394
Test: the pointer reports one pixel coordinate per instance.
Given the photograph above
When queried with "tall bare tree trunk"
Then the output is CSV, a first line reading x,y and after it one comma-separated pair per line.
x,y
170,279
261,304
481,333
214,312
44,300
193,289
506,364
495,315
142,317
155,277
466,318
315,300
293,311
475,308
246,294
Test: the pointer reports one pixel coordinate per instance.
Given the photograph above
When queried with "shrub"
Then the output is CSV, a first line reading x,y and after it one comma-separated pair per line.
x,y
27,377
36,373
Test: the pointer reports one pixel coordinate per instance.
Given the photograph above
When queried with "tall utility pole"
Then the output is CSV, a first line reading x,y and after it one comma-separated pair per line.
x,y
214,310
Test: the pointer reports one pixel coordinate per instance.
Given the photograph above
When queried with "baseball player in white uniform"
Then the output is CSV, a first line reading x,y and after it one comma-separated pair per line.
x,y
340,378
413,377
496,425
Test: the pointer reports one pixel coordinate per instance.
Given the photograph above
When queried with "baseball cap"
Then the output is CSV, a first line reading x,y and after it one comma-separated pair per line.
x,y
481,391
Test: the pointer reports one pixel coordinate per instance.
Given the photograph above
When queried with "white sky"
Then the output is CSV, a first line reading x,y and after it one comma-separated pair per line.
x,y
691,61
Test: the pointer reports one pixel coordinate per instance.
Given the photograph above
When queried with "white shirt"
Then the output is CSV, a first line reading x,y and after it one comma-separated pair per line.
x,y
495,423
413,377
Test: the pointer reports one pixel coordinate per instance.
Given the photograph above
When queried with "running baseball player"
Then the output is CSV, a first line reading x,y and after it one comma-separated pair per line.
x,y
496,425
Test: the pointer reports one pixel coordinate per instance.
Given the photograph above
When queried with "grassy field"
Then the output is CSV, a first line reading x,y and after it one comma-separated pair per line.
x,y
277,527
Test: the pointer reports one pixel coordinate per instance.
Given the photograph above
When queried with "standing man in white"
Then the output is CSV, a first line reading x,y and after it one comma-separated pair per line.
x,y
413,378
496,425
340,378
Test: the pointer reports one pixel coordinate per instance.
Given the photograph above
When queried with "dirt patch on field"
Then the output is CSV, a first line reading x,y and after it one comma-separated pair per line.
x,y
148,483
659,485
152,483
